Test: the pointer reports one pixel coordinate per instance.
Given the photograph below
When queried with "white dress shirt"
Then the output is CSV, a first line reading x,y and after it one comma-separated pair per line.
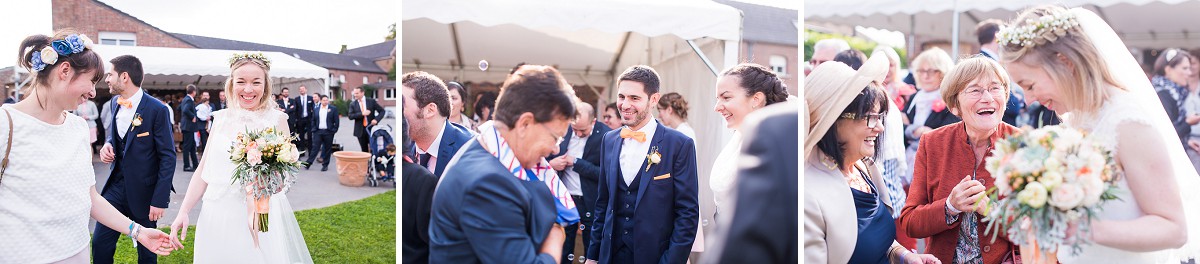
x,y
575,150
433,148
686,130
125,115
323,115
633,153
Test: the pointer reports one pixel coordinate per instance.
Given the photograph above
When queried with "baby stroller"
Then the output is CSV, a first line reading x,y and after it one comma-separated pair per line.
x,y
383,165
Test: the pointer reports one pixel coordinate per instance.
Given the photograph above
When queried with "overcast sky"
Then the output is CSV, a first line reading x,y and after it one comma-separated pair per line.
x,y
304,24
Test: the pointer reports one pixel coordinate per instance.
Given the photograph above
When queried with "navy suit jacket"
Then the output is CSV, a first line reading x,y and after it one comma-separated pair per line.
x,y
454,136
331,121
666,210
187,111
147,159
587,166
298,104
482,213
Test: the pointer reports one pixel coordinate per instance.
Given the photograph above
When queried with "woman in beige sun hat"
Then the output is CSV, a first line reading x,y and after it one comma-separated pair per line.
x,y
846,216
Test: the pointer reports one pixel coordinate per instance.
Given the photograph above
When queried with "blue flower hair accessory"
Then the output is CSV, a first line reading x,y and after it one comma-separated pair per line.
x,y
72,44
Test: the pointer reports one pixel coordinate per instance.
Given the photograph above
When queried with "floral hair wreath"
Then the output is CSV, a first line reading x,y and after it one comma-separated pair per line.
x,y
1048,28
265,62
72,44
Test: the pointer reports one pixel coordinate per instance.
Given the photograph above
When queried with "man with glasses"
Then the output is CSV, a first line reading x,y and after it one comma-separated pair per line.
x,y
646,207
499,201
427,107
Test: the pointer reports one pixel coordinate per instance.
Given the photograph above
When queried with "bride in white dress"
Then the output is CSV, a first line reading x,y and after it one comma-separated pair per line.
x,y
223,231
1085,73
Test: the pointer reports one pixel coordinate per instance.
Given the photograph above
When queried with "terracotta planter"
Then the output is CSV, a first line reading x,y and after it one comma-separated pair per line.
x,y
352,167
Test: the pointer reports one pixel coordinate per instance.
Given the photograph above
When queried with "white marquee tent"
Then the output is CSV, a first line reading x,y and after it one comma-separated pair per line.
x,y
174,68
687,41
1152,24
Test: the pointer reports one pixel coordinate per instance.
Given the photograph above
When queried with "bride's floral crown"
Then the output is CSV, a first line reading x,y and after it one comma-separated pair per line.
x,y
255,57
1036,32
72,44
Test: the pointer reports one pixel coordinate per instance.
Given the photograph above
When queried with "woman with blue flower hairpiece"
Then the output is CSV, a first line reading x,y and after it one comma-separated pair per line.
x,y
46,177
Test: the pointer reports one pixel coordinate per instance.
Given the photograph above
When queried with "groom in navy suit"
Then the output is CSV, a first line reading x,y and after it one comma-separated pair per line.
x,y
142,151
427,108
646,209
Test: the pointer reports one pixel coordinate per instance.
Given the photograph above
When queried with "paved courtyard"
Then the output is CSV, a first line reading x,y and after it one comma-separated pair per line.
x,y
313,189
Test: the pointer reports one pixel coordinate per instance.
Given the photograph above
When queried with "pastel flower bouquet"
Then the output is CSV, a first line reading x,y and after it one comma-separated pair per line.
x,y
267,163
1049,180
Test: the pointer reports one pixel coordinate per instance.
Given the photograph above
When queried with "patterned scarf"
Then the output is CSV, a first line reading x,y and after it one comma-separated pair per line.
x,y
498,147
1177,91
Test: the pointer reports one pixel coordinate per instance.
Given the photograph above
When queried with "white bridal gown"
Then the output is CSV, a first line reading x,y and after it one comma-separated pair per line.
x,y
223,234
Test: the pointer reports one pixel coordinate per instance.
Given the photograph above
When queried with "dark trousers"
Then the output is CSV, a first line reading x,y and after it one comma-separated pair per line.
x,y
364,139
189,149
104,241
203,139
623,254
323,144
571,230
303,135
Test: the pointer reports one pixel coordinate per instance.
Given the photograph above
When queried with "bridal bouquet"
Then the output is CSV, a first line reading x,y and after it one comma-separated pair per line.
x,y
1047,180
267,163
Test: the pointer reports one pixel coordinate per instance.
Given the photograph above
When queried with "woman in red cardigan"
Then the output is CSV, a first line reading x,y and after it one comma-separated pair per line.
x,y
945,201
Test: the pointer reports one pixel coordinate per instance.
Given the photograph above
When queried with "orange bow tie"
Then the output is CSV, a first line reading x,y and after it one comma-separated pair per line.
x,y
635,135
124,103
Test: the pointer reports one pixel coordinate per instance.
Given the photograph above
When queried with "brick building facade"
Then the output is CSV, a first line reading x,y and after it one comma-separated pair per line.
x,y
99,17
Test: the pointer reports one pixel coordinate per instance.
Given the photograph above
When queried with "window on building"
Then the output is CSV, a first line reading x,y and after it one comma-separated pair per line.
x,y
118,38
379,79
779,65
342,78
366,80
389,94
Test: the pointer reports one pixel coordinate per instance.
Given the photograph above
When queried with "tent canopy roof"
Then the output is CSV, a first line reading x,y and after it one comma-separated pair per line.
x,y
1140,23
172,65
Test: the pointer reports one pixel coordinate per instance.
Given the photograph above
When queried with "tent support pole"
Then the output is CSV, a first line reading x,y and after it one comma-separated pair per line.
x,y
612,69
457,47
954,35
712,68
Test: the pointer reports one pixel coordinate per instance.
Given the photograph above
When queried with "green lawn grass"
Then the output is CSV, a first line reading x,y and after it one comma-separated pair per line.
x,y
362,231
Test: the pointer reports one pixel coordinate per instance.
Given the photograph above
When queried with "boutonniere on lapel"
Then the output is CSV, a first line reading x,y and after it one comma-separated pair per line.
x,y
653,158
137,120
939,106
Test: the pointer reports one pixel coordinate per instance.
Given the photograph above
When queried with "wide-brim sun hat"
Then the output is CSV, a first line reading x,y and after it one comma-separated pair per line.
x,y
830,88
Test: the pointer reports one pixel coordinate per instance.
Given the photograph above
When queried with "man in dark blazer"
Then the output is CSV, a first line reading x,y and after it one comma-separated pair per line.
x,y
189,124
418,185
427,108
482,210
141,148
577,163
325,125
304,105
365,113
285,104
647,206
764,229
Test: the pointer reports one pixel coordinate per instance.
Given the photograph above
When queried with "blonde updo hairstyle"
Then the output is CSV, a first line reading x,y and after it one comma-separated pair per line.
x,y
265,100
1082,82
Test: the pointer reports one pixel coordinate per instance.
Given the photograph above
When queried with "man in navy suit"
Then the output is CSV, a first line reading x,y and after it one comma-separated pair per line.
x,y
427,108
324,126
483,211
141,149
188,123
577,163
646,209
305,105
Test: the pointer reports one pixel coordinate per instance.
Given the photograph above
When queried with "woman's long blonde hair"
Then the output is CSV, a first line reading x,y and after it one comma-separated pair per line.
x,y
1082,84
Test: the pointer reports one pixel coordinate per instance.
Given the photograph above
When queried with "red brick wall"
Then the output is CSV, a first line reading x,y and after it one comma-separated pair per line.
x,y
762,53
90,18
355,79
